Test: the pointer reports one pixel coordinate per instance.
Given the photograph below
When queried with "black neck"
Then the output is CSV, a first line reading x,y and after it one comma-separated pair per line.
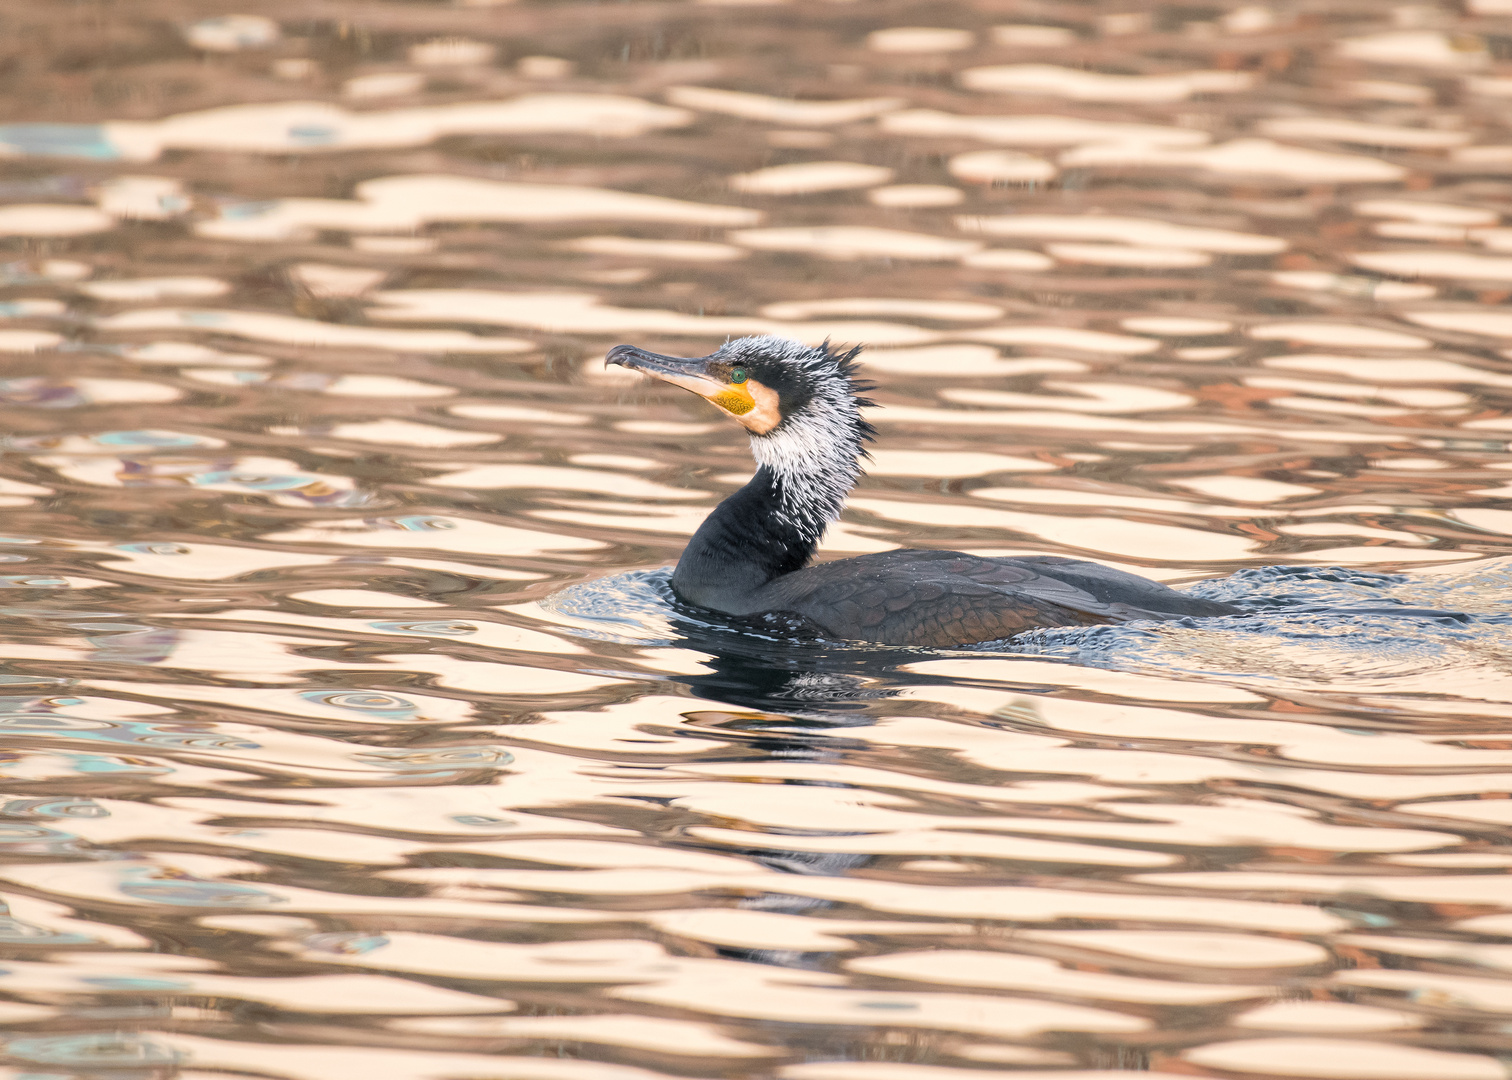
x,y
743,545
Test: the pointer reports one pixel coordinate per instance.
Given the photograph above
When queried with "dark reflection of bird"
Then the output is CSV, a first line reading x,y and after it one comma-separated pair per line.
x,y
807,684
802,406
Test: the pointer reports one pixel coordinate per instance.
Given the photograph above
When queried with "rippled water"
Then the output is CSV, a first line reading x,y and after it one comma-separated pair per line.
x,y
350,728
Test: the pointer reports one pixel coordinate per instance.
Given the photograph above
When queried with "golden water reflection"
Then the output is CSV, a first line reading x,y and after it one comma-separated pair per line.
x,y
346,732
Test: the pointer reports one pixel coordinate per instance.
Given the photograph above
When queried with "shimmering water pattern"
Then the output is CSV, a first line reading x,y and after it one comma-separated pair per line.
x,y
351,728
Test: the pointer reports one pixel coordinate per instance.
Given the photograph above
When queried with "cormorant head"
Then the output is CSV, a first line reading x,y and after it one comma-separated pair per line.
x,y
802,405
767,384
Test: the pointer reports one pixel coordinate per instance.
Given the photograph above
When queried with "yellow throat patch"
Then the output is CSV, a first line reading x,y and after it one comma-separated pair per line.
x,y
734,401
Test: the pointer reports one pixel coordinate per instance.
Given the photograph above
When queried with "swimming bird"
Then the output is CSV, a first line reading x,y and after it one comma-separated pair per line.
x,y
751,557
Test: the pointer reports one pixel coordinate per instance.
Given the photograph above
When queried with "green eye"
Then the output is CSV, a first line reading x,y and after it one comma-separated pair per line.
x,y
738,375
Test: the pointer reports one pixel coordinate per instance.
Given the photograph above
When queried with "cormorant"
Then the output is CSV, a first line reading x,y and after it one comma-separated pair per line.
x,y
802,406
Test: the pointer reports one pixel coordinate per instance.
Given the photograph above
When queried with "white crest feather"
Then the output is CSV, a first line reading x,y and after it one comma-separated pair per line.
x,y
815,454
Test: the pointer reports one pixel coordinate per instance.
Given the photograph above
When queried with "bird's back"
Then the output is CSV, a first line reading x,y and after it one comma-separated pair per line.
x,y
941,599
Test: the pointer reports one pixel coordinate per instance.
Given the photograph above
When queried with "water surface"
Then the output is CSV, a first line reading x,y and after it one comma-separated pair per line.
x,y
349,728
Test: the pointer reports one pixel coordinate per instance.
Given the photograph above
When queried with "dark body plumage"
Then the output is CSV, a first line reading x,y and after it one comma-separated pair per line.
x,y
750,557
941,599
